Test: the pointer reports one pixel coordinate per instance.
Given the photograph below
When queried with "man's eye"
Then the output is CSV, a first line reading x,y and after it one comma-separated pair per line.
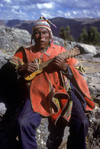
x,y
36,32
44,32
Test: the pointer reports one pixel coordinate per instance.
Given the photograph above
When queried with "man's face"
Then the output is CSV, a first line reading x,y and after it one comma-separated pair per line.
x,y
41,37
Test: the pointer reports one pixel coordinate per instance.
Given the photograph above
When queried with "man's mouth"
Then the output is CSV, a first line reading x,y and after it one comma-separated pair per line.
x,y
41,42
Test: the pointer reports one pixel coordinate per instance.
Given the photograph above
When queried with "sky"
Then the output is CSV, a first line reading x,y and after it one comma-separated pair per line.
x,y
33,9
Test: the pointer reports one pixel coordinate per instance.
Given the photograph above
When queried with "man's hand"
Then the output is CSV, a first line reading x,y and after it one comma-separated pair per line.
x,y
60,63
27,68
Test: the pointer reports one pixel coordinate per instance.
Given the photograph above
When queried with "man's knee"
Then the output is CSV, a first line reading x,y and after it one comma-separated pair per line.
x,y
25,123
80,124
22,123
84,121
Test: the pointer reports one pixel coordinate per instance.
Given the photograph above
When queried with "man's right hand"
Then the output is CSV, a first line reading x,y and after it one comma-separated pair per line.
x,y
27,68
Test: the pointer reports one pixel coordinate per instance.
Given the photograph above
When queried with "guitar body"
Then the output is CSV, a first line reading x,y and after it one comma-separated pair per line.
x,y
28,77
32,76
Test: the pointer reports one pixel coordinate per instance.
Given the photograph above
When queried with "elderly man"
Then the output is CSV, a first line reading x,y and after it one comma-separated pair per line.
x,y
59,91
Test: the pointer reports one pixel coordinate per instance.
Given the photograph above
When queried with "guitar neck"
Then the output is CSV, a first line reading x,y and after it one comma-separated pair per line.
x,y
44,64
67,54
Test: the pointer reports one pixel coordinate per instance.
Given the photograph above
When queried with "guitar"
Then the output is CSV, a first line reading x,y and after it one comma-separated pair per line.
x,y
67,54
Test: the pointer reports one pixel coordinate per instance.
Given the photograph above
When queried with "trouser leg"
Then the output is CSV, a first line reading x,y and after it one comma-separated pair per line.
x,y
55,137
78,126
27,123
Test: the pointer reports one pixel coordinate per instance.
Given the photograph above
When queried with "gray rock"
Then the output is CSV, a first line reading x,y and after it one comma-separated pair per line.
x,y
97,100
84,48
3,109
93,81
11,39
93,137
58,41
87,48
42,134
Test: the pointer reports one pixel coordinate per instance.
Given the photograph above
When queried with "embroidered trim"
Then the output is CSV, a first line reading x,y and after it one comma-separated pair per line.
x,y
16,61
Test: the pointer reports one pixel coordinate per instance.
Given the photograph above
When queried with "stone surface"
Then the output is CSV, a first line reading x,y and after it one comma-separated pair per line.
x,y
3,109
12,38
93,137
84,48
88,48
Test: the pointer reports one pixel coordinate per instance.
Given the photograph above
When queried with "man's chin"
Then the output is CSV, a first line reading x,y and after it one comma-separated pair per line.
x,y
41,47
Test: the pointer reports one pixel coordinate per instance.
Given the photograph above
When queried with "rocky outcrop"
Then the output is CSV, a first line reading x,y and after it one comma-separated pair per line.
x,y
84,48
12,39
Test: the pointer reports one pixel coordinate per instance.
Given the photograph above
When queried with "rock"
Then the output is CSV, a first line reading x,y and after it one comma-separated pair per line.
x,y
97,99
84,48
42,135
87,48
70,44
97,55
11,39
3,58
22,36
3,109
93,137
58,41
93,81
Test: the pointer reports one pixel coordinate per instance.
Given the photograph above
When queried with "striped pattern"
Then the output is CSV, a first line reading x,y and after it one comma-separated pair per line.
x,y
67,113
80,70
16,60
39,23
66,82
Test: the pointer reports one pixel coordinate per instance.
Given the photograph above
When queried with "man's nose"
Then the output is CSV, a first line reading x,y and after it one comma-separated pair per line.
x,y
41,35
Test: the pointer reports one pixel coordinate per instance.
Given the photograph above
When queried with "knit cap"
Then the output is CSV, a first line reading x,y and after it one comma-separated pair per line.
x,y
42,22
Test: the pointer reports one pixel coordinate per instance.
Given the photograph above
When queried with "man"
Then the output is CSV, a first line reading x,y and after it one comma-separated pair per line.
x,y
59,91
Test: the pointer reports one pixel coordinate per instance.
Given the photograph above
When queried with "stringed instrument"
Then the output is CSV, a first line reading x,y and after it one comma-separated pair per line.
x,y
67,54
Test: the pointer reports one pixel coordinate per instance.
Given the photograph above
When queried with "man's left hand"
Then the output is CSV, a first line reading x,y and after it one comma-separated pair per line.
x,y
60,63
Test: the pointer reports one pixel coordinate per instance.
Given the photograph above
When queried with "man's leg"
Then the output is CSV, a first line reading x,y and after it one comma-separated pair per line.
x,y
27,123
78,126
55,137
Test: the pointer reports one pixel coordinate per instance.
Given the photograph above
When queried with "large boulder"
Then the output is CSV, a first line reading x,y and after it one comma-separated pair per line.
x,y
12,38
87,48
84,48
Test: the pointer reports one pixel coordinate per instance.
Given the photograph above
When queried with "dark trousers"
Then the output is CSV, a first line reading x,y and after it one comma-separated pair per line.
x,y
78,125
28,121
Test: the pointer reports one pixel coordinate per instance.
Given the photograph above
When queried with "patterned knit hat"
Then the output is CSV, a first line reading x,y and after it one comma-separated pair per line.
x,y
45,23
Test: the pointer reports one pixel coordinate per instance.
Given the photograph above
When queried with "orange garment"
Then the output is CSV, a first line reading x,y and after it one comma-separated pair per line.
x,y
48,92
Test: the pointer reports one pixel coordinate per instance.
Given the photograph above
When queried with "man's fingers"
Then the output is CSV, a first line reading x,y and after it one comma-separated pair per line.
x,y
28,67
32,67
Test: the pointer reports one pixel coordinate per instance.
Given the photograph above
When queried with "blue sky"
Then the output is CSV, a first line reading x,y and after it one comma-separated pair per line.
x,y
33,9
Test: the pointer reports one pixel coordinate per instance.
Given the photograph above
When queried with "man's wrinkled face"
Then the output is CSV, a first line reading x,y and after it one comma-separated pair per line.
x,y
41,37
